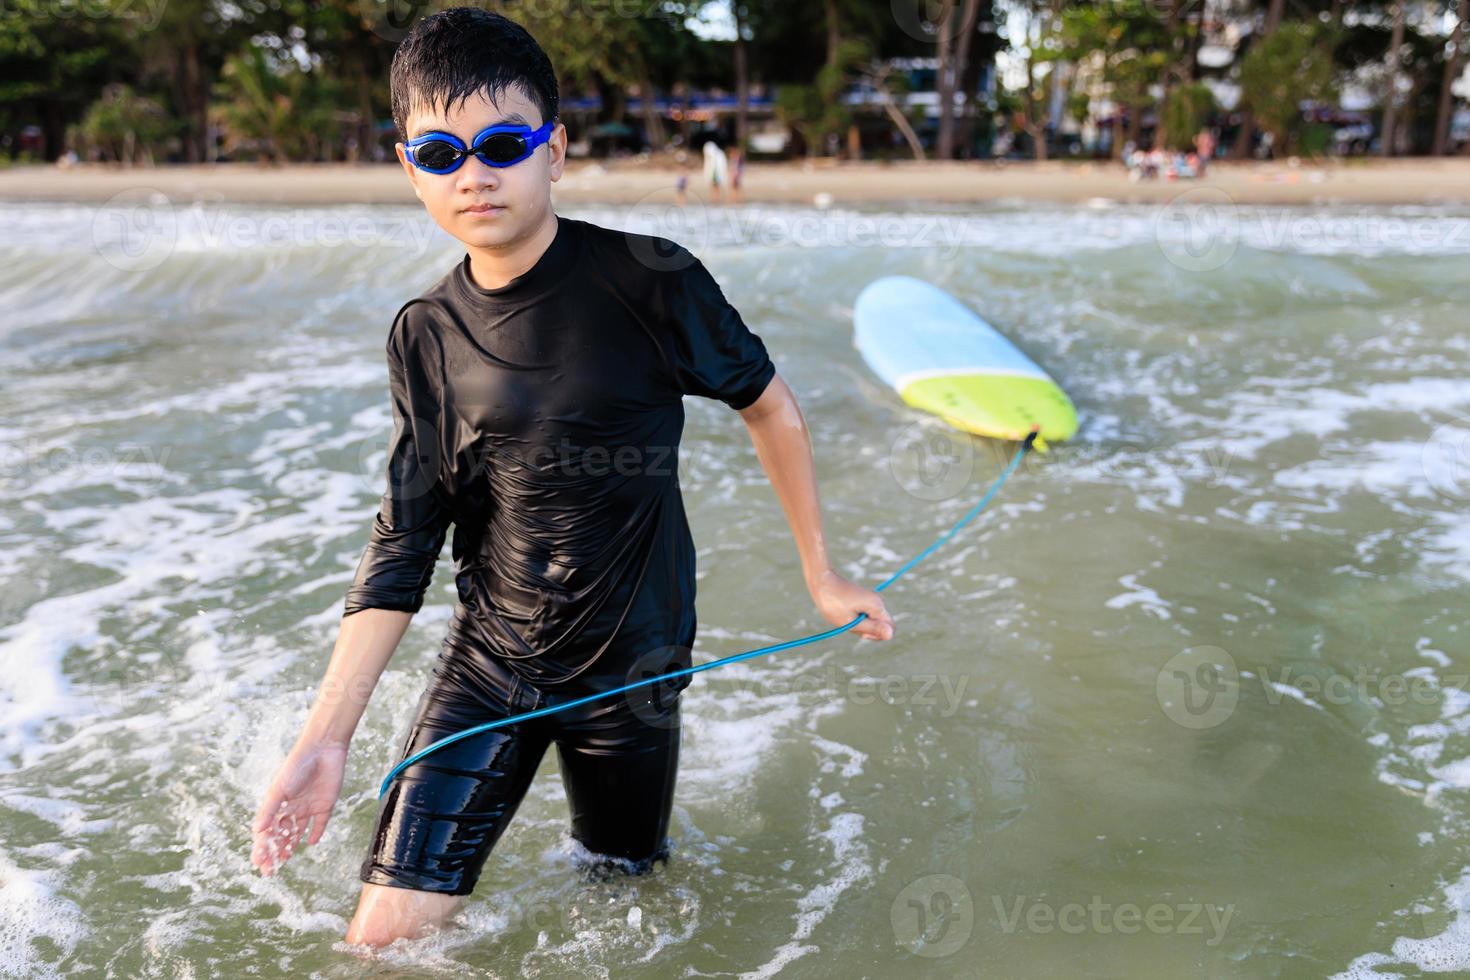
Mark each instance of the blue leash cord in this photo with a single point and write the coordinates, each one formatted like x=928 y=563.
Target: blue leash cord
x=734 y=658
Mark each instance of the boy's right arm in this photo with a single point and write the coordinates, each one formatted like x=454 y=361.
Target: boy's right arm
x=306 y=785
x=365 y=643
x=397 y=566
x=407 y=534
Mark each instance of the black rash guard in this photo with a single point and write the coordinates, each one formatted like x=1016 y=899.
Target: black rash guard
x=543 y=420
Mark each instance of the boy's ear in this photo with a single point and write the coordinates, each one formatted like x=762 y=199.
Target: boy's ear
x=410 y=169
x=557 y=147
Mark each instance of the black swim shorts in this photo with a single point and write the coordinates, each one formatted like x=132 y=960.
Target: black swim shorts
x=442 y=815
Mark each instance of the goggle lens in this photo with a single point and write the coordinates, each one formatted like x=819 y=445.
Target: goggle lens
x=501 y=147
x=436 y=154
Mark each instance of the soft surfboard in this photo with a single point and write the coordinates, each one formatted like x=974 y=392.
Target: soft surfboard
x=942 y=358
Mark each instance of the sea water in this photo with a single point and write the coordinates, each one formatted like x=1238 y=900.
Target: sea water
x=1190 y=698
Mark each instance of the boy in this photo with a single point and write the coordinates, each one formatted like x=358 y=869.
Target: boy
x=537 y=406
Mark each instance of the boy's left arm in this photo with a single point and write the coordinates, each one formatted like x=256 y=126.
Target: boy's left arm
x=783 y=444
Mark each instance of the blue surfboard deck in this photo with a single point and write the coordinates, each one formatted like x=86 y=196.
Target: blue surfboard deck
x=942 y=357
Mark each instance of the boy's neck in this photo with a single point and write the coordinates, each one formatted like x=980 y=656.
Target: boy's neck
x=493 y=268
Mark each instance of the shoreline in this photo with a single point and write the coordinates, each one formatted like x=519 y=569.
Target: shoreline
x=1416 y=181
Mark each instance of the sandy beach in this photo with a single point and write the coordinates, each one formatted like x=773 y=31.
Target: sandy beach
x=629 y=181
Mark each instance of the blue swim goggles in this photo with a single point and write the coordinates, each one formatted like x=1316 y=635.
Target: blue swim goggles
x=498 y=146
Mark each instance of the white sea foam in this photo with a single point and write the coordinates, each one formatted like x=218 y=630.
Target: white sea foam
x=1139 y=595
x=34 y=908
x=1446 y=951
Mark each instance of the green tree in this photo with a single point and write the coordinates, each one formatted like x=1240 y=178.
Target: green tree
x=1187 y=110
x=272 y=105
x=956 y=27
x=1455 y=59
x=815 y=111
x=1183 y=27
x=184 y=54
x=878 y=78
x=54 y=61
x=1290 y=67
x=124 y=126
x=1245 y=138
x=355 y=55
x=626 y=53
x=1129 y=43
x=1394 y=57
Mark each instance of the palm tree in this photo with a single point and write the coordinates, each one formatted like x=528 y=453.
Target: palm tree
x=1454 y=65
x=956 y=26
x=876 y=78
x=1391 y=90
x=1247 y=135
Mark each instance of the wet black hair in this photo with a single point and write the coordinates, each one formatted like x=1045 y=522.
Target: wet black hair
x=448 y=57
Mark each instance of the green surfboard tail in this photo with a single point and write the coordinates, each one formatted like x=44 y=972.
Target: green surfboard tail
x=998 y=406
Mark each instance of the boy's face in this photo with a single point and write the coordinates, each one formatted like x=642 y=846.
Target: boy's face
x=481 y=205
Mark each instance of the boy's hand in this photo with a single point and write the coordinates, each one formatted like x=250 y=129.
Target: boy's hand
x=839 y=601
x=304 y=788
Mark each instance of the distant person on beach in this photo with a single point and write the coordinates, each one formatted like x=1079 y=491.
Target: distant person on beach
x=1144 y=164
x=1204 y=145
x=737 y=172
x=716 y=169
x=681 y=181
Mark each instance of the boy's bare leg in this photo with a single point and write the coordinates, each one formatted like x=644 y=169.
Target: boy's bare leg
x=386 y=912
